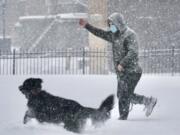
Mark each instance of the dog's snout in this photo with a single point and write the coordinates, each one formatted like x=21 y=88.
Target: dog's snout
x=21 y=87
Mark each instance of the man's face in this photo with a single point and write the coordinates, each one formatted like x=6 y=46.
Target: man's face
x=112 y=27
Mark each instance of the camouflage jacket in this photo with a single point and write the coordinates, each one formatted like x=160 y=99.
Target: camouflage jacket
x=124 y=44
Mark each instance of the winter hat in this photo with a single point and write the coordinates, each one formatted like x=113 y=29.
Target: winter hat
x=118 y=20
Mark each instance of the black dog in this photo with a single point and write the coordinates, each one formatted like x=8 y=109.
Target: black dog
x=48 y=108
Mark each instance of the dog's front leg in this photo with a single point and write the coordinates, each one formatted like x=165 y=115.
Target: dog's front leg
x=28 y=115
x=26 y=118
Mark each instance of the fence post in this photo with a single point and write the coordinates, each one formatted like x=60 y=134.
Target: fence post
x=173 y=64
x=14 y=60
x=83 y=64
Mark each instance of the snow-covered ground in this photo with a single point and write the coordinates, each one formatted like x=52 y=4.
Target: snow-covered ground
x=90 y=91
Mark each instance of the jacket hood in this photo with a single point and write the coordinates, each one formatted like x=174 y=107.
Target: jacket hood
x=118 y=20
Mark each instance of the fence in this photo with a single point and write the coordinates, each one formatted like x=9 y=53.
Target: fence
x=84 y=61
x=160 y=61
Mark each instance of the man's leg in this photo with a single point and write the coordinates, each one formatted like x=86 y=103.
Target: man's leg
x=149 y=102
x=124 y=99
x=137 y=99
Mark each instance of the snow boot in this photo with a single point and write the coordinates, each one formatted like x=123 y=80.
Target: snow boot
x=149 y=105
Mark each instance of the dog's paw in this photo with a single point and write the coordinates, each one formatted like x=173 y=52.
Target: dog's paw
x=26 y=119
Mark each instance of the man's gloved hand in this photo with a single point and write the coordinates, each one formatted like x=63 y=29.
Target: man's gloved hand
x=82 y=22
x=120 y=68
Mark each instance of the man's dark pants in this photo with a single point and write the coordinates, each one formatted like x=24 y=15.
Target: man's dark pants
x=126 y=86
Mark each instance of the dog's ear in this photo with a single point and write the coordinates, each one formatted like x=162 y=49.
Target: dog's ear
x=39 y=80
x=27 y=82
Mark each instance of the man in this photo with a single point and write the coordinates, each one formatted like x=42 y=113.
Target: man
x=125 y=58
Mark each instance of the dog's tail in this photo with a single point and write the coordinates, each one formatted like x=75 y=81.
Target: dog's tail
x=108 y=104
x=104 y=111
